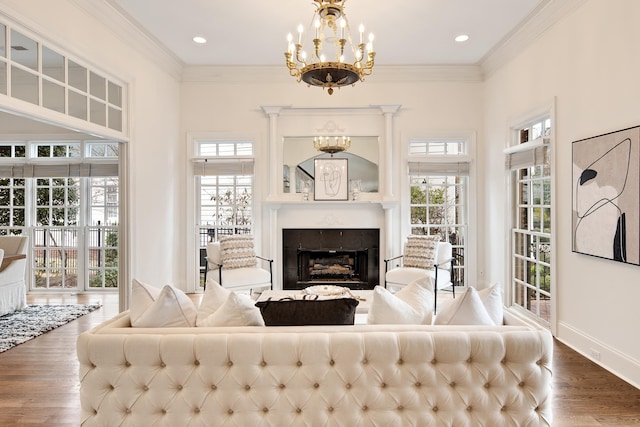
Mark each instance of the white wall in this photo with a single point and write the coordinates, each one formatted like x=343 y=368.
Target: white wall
x=589 y=63
x=155 y=169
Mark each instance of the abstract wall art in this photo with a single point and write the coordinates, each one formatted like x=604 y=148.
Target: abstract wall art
x=331 y=179
x=606 y=199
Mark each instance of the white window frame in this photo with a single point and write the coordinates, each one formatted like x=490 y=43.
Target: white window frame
x=192 y=195
x=546 y=110
x=469 y=137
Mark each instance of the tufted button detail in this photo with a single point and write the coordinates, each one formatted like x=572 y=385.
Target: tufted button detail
x=95 y=412
x=330 y=409
x=469 y=360
x=383 y=385
x=503 y=409
x=348 y=386
x=487 y=385
x=247 y=387
x=196 y=410
x=163 y=365
x=145 y=388
x=299 y=363
x=214 y=387
x=265 y=410
x=127 y=363
x=521 y=384
x=128 y=410
x=298 y=411
x=453 y=384
x=281 y=386
x=316 y=385
x=197 y=362
x=400 y=362
x=503 y=361
x=365 y=361
x=434 y=361
x=435 y=409
x=229 y=363
x=163 y=411
x=111 y=387
x=418 y=384
x=263 y=363
x=332 y=362
x=400 y=408
x=93 y=366
x=365 y=408
x=539 y=362
x=469 y=408
x=537 y=408
x=230 y=411
x=179 y=387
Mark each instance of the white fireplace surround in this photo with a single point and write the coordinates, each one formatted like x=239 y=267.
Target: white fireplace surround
x=289 y=210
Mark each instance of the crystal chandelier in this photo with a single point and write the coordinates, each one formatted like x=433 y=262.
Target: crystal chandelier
x=331 y=144
x=327 y=66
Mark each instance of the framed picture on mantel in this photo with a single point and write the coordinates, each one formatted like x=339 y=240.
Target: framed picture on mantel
x=331 y=179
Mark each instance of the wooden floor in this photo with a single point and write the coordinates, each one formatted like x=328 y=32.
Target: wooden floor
x=39 y=379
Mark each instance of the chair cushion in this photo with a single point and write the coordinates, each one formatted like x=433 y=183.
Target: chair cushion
x=237 y=251
x=245 y=277
x=300 y=312
x=403 y=275
x=420 y=251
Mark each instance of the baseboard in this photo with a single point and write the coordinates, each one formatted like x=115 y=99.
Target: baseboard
x=614 y=361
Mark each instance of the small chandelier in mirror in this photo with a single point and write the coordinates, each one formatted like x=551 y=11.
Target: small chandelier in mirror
x=327 y=65
x=331 y=144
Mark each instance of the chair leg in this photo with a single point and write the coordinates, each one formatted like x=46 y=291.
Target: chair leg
x=435 y=299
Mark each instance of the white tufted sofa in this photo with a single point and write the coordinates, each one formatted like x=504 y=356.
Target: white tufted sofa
x=362 y=375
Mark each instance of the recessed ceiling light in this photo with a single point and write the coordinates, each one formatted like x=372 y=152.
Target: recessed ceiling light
x=462 y=38
x=199 y=40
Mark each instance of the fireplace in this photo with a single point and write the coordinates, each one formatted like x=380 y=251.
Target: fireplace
x=344 y=257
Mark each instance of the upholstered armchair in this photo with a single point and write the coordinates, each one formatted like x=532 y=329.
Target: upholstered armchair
x=438 y=269
x=233 y=263
x=13 y=265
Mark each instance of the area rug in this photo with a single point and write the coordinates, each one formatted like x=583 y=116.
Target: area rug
x=34 y=320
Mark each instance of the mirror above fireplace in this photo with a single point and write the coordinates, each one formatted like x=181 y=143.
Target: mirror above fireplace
x=298 y=162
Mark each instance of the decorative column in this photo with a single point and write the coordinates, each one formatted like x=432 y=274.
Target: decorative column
x=389 y=170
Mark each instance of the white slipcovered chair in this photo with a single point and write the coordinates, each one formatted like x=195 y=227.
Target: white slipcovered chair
x=237 y=279
x=399 y=276
x=13 y=292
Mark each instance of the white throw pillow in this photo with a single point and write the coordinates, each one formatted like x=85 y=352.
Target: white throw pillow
x=467 y=309
x=492 y=299
x=410 y=305
x=158 y=308
x=212 y=299
x=237 y=310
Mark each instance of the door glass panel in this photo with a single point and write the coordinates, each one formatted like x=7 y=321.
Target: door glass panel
x=52 y=64
x=24 y=51
x=115 y=94
x=24 y=85
x=115 y=119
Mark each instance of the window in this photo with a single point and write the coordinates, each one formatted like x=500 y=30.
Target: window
x=438 y=185
x=67 y=204
x=530 y=169
x=224 y=180
x=36 y=73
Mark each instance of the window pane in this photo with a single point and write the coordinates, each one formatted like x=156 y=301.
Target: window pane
x=77 y=105
x=77 y=76
x=98 y=113
x=3 y=41
x=24 y=85
x=115 y=94
x=53 y=96
x=3 y=78
x=52 y=64
x=98 y=85
x=24 y=50
x=115 y=119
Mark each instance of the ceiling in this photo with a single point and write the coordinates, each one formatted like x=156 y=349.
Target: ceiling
x=253 y=32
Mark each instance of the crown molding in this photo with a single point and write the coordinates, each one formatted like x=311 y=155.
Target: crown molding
x=541 y=19
x=381 y=73
x=124 y=27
